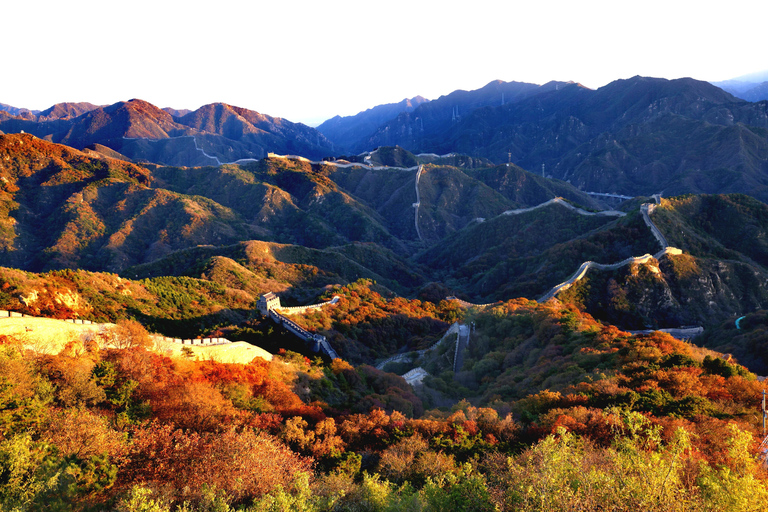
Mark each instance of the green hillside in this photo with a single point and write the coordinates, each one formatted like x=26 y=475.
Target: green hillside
x=527 y=254
x=721 y=273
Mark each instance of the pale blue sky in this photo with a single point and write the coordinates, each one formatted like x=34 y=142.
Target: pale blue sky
x=310 y=60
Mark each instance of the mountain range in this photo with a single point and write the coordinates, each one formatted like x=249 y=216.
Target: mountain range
x=484 y=233
x=138 y=190
x=752 y=87
x=512 y=317
x=347 y=132
x=211 y=135
x=631 y=137
x=638 y=136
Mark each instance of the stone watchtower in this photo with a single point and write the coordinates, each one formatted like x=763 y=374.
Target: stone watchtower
x=268 y=301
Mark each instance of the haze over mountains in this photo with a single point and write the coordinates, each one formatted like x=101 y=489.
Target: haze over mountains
x=752 y=87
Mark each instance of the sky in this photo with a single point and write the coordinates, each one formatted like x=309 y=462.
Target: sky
x=307 y=61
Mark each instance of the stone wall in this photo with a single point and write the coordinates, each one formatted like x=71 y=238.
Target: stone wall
x=295 y=310
x=318 y=342
x=197 y=341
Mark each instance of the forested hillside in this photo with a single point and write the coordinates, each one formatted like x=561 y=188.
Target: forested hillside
x=597 y=419
x=433 y=403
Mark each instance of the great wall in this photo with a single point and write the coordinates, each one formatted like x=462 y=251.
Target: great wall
x=51 y=336
x=320 y=344
x=418 y=203
x=563 y=202
x=462 y=332
x=582 y=271
x=416 y=375
x=155 y=337
x=645 y=210
x=269 y=306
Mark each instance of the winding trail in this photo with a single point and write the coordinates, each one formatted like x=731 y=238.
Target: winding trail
x=645 y=209
x=418 y=203
x=563 y=202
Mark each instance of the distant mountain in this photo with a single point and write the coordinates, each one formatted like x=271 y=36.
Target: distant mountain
x=749 y=91
x=66 y=110
x=752 y=87
x=756 y=93
x=177 y=112
x=434 y=118
x=212 y=135
x=634 y=137
x=57 y=111
x=15 y=111
x=347 y=132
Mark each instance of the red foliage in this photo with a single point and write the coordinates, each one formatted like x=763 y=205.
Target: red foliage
x=244 y=464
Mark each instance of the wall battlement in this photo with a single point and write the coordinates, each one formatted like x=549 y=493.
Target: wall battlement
x=155 y=337
x=269 y=305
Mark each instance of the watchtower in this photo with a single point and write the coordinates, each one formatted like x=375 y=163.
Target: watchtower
x=268 y=301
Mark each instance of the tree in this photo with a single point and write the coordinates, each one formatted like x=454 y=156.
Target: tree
x=126 y=334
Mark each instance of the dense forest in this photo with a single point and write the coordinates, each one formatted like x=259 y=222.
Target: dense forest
x=433 y=403
x=568 y=414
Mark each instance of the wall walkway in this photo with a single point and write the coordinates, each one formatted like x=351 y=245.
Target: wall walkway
x=155 y=337
x=318 y=342
x=645 y=210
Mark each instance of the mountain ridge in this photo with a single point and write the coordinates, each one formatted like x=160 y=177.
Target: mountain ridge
x=346 y=132
x=142 y=131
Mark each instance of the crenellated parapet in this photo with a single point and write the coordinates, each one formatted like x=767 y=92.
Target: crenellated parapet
x=269 y=305
x=101 y=326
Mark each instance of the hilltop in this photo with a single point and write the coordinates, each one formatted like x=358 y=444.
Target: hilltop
x=211 y=135
x=635 y=137
x=347 y=132
x=720 y=275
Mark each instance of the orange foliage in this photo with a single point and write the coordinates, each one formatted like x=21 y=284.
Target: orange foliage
x=586 y=421
x=366 y=430
x=681 y=382
x=81 y=433
x=243 y=464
